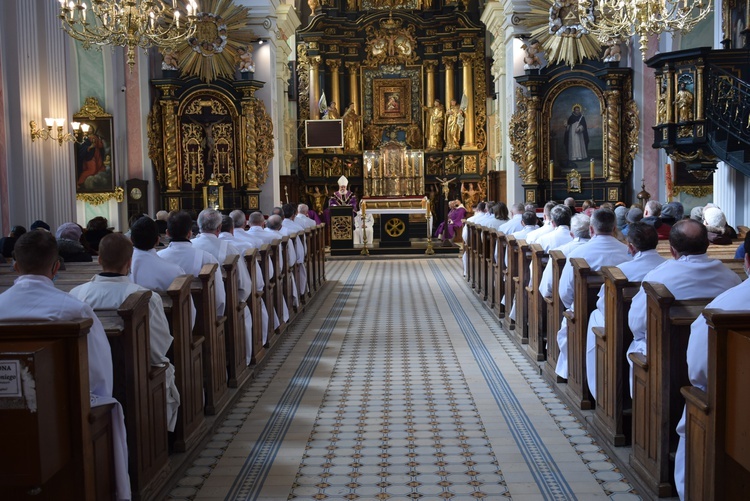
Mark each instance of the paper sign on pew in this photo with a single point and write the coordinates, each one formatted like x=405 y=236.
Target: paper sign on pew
x=10 y=381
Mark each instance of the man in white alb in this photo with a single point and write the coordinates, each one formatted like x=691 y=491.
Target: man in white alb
x=579 y=231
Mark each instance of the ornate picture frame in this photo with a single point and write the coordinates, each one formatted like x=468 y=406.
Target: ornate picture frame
x=574 y=181
x=94 y=155
x=391 y=101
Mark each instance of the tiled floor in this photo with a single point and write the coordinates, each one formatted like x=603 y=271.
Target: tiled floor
x=397 y=384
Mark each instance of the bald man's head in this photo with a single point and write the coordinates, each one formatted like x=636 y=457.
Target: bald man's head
x=688 y=237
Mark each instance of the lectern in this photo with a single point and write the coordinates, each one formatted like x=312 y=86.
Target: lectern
x=342 y=226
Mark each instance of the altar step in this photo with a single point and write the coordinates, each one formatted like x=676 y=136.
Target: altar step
x=416 y=248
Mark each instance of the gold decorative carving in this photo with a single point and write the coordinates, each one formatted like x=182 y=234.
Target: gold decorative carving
x=174 y=203
x=316 y=167
x=699 y=154
x=373 y=136
x=530 y=196
x=196 y=107
x=263 y=141
x=221 y=36
x=155 y=141
x=574 y=181
x=435 y=166
x=390 y=4
x=530 y=157
x=91 y=109
x=612 y=141
x=395 y=227
x=694 y=191
x=470 y=164
x=99 y=198
x=334 y=64
x=193 y=168
x=453 y=164
x=341 y=227
x=169 y=126
x=518 y=130
x=480 y=91
x=632 y=129
x=391 y=44
x=613 y=194
x=249 y=174
x=223 y=163
x=253 y=202
x=559 y=31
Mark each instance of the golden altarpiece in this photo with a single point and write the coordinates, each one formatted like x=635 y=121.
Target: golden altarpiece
x=211 y=145
x=575 y=132
x=390 y=70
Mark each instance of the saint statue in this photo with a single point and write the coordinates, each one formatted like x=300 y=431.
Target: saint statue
x=436 y=119
x=343 y=196
x=454 y=124
x=318 y=199
x=684 y=102
x=576 y=135
x=352 y=130
x=332 y=112
x=471 y=196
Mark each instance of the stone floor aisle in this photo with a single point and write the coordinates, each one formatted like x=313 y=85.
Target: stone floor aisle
x=397 y=384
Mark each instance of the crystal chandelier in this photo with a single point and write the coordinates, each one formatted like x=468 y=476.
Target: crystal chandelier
x=128 y=23
x=615 y=21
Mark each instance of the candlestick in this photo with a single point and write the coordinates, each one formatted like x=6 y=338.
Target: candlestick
x=591 y=169
x=551 y=170
x=669 y=181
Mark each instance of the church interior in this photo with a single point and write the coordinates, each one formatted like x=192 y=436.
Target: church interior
x=398 y=371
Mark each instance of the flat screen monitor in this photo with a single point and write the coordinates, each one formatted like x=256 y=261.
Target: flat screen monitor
x=324 y=133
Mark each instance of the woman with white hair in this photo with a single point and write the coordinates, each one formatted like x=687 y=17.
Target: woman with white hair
x=719 y=232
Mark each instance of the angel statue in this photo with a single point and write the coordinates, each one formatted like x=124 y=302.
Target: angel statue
x=454 y=123
x=169 y=60
x=531 y=60
x=245 y=59
x=612 y=53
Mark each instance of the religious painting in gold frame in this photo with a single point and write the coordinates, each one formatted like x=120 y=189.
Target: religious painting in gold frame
x=391 y=101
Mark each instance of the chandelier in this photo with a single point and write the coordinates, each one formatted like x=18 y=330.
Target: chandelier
x=615 y=21
x=128 y=23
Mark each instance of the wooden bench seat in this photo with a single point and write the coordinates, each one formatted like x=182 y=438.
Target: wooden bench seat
x=61 y=447
x=717 y=451
x=537 y=307
x=555 y=311
x=235 y=311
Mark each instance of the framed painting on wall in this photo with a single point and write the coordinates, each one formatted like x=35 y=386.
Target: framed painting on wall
x=94 y=155
x=391 y=101
x=576 y=132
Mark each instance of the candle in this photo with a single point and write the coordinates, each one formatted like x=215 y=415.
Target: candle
x=591 y=168
x=551 y=170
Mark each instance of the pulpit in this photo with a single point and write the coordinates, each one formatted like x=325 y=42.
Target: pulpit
x=342 y=227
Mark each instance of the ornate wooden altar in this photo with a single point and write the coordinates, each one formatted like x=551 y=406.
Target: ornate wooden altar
x=584 y=146
x=209 y=139
x=413 y=55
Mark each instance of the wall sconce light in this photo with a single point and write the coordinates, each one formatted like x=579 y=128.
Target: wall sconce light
x=79 y=131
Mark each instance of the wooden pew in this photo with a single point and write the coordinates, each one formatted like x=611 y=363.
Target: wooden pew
x=56 y=446
x=479 y=261
x=279 y=278
x=470 y=251
x=537 y=307
x=498 y=266
x=587 y=285
x=252 y=257
x=511 y=272
x=489 y=237
x=188 y=363
x=307 y=236
x=141 y=390
x=236 y=344
x=268 y=259
x=657 y=378
x=320 y=247
x=289 y=273
x=521 y=280
x=717 y=451
x=555 y=311
x=612 y=371
x=212 y=327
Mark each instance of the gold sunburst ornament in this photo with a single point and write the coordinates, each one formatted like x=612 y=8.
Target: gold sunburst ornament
x=558 y=28
x=221 y=38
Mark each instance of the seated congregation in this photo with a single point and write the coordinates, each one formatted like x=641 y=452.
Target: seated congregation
x=640 y=320
x=118 y=365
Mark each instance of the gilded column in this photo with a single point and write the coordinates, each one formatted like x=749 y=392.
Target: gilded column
x=448 y=62
x=468 y=80
x=250 y=178
x=430 y=67
x=699 y=113
x=613 y=163
x=169 y=128
x=334 y=65
x=532 y=165
x=670 y=96
x=314 y=87
x=353 y=68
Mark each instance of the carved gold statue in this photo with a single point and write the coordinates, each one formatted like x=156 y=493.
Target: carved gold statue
x=684 y=102
x=454 y=124
x=352 y=130
x=318 y=199
x=436 y=119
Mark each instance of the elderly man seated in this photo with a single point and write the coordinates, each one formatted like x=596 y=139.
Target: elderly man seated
x=690 y=275
x=642 y=240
